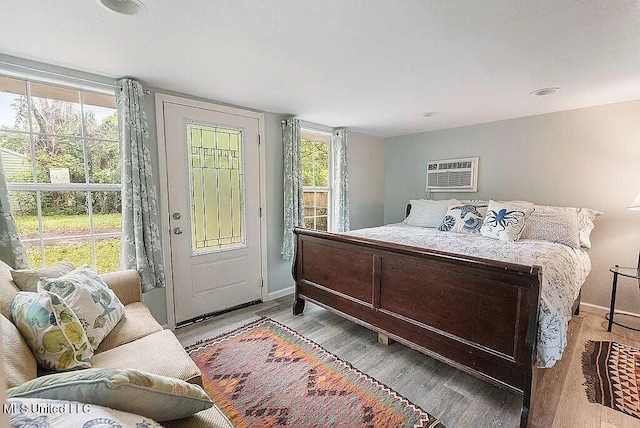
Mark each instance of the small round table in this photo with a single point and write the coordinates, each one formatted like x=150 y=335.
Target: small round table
x=628 y=272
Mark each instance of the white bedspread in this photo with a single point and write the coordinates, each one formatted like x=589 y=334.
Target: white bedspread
x=564 y=270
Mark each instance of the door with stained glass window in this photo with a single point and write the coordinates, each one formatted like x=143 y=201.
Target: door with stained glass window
x=214 y=203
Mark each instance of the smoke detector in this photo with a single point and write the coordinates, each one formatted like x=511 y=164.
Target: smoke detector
x=124 y=7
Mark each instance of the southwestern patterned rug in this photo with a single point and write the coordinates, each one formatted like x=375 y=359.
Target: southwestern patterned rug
x=266 y=375
x=612 y=374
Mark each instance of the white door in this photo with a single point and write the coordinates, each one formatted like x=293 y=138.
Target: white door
x=214 y=202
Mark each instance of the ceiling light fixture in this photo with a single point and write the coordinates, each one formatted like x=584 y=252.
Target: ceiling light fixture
x=124 y=7
x=429 y=114
x=545 y=91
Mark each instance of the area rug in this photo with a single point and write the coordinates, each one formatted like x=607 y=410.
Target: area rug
x=267 y=375
x=612 y=371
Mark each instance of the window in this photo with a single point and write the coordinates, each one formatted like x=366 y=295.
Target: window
x=61 y=155
x=316 y=178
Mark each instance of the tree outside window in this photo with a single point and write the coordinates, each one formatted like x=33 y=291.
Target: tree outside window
x=61 y=155
x=316 y=154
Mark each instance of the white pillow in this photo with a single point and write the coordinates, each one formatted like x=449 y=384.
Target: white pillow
x=504 y=221
x=428 y=213
x=553 y=224
x=585 y=225
x=95 y=304
x=464 y=218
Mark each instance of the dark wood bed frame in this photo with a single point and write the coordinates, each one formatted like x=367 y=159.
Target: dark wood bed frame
x=474 y=314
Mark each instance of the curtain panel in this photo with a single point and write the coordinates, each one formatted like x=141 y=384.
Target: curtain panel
x=340 y=182
x=141 y=248
x=293 y=196
x=11 y=250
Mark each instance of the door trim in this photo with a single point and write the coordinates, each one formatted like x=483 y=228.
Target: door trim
x=160 y=100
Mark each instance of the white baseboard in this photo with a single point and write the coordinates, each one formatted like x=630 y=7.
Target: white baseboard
x=280 y=293
x=601 y=310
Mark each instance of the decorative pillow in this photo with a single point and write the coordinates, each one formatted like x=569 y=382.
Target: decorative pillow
x=428 y=213
x=465 y=218
x=52 y=331
x=27 y=279
x=504 y=221
x=41 y=413
x=95 y=304
x=585 y=225
x=157 y=397
x=19 y=364
x=553 y=224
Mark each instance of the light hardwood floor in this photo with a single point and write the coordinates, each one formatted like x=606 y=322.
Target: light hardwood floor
x=457 y=399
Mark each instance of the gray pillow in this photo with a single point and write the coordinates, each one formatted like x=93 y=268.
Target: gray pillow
x=27 y=279
x=157 y=397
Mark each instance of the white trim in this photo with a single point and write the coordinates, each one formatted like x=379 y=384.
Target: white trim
x=316 y=127
x=597 y=309
x=280 y=293
x=54 y=75
x=160 y=100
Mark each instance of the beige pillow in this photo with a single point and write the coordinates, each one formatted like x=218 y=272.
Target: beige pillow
x=27 y=279
x=8 y=290
x=19 y=364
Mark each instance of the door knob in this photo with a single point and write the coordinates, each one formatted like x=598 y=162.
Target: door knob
x=177 y=231
x=176 y=216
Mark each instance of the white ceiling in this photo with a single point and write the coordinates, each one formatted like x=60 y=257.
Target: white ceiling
x=373 y=66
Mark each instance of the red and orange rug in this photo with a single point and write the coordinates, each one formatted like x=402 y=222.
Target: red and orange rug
x=266 y=375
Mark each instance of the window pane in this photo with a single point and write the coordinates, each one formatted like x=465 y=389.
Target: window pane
x=13 y=111
x=25 y=213
x=315 y=163
x=107 y=254
x=55 y=110
x=216 y=188
x=64 y=214
x=101 y=122
x=15 y=150
x=316 y=207
x=76 y=251
x=108 y=207
x=59 y=159
x=104 y=162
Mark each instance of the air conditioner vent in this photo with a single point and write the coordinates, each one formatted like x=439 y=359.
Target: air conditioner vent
x=453 y=175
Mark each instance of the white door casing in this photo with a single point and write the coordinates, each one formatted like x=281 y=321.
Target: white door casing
x=213 y=168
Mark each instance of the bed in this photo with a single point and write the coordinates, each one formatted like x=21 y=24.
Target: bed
x=492 y=309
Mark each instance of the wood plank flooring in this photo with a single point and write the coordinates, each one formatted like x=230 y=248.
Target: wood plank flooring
x=459 y=400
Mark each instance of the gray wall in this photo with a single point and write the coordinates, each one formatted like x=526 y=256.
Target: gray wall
x=584 y=158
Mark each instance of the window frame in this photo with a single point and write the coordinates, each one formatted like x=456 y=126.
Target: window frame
x=80 y=86
x=309 y=129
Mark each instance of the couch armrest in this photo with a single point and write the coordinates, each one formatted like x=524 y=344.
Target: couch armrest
x=125 y=284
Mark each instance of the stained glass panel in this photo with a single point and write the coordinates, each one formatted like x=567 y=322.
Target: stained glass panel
x=216 y=188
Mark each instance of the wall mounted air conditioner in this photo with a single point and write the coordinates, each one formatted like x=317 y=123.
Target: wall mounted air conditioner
x=452 y=175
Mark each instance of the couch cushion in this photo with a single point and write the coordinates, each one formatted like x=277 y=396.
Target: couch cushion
x=8 y=290
x=19 y=363
x=162 y=353
x=137 y=322
x=210 y=418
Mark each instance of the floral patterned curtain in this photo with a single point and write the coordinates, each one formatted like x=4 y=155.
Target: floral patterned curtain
x=11 y=250
x=340 y=184
x=293 y=197
x=141 y=248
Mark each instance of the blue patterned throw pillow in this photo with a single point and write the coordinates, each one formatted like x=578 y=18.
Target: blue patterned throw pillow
x=465 y=218
x=505 y=221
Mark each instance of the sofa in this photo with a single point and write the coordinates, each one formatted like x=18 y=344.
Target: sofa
x=137 y=342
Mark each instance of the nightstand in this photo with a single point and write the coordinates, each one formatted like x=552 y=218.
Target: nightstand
x=634 y=273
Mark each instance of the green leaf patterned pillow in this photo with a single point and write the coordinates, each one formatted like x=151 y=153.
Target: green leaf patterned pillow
x=52 y=331
x=158 y=397
x=95 y=304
